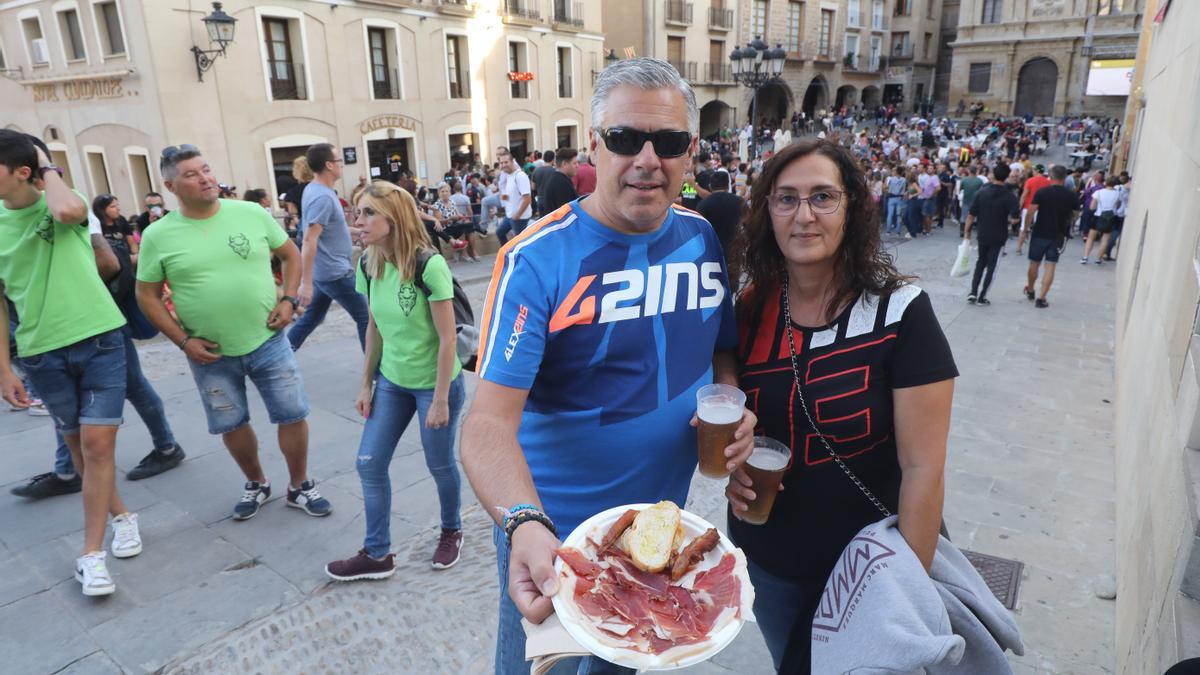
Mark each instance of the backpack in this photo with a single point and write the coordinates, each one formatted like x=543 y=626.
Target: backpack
x=122 y=289
x=467 y=345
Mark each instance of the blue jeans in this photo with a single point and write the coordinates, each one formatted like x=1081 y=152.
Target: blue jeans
x=490 y=204
x=81 y=383
x=392 y=409
x=895 y=209
x=510 y=635
x=145 y=400
x=912 y=212
x=516 y=226
x=782 y=607
x=273 y=370
x=324 y=293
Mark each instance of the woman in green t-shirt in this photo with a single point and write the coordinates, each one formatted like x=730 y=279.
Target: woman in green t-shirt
x=410 y=366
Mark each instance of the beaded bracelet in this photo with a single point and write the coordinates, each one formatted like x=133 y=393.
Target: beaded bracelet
x=517 y=509
x=526 y=516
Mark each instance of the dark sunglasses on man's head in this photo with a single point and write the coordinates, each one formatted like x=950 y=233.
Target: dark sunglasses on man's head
x=169 y=153
x=626 y=141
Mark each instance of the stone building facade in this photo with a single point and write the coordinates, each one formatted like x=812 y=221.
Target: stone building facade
x=948 y=31
x=837 y=54
x=1157 y=421
x=696 y=37
x=398 y=85
x=912 y=51
x=1035 y=56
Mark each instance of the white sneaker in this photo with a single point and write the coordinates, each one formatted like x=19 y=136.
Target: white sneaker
x=38 y=409
x=92 y=573
x=127 y=541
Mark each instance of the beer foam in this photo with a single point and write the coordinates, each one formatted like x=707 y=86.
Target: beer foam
x=718 y=411
x=768 y=459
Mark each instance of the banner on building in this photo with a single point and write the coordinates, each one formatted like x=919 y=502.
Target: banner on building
x=1110 y=78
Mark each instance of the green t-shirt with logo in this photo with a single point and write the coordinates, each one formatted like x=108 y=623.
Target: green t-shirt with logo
x=219 y=271
x=49 y=272
x=402 y=315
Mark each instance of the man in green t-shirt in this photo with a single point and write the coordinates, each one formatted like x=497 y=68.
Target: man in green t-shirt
x=970 y=183
x=69 y=341
x=216 y=255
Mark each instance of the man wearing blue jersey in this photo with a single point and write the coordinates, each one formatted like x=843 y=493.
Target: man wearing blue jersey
x=601 y=322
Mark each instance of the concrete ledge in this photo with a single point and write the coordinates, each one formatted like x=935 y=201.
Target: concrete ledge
x=1189 y=584
x=1186 y=603
x=1187 y=627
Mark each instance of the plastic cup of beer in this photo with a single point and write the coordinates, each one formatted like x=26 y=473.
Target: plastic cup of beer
x=765 y=468
x=719 y=409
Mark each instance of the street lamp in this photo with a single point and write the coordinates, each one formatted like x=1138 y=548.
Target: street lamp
x=755 y=66
x=610 y=59
x=220 y=29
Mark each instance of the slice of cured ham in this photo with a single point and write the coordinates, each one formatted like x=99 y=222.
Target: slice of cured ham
x=613 y=594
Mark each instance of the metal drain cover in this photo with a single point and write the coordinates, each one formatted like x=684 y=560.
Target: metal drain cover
x=1002 y=575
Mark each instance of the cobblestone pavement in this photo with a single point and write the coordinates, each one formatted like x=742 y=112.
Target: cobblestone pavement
x=1029 y=476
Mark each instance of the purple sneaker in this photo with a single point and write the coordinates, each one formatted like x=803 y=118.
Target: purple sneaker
x=362 y=566
x=449 y=549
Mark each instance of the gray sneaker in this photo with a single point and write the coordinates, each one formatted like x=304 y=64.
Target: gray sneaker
x=252 y=499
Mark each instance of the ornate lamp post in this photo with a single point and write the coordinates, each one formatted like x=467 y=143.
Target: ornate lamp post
x=755 y=66
x=610 y=59
x=220 y=28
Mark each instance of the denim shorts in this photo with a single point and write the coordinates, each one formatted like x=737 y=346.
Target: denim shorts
x=82 y=383
x=273 y=370
x=1043 y=249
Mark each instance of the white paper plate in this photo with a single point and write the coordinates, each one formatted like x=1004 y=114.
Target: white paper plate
x=585 y=635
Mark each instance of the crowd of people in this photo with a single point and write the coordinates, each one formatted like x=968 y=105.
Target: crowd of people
x=776 y=265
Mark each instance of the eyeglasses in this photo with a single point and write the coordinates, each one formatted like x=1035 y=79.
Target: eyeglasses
x=784 y=204
x=169 y=153
x=628 y=142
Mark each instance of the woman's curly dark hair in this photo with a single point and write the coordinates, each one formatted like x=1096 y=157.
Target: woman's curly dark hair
x=861 y=263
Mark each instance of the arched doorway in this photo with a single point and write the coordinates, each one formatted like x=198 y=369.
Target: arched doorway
x=816 y=96
x=1036 y=85
x=847 y=95
x=872 y=96
x=714 y=116
x=772 y=104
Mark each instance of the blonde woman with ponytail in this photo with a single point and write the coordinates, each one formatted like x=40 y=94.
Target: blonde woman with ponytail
x=410 y=367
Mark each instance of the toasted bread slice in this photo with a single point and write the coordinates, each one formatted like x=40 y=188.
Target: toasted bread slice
x=654 y=535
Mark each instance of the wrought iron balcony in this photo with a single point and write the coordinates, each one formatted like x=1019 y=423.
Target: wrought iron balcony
x=679 y=13
x=720 y=18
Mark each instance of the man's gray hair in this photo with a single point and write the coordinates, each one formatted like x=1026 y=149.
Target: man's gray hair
x=169 y=168
x=643 y=73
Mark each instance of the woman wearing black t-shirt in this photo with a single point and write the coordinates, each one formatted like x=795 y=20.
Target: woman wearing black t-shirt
x=115 y=228
x=877 y=377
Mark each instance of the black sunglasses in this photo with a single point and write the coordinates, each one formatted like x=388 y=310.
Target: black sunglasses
x=625 y=141
x=169 y=153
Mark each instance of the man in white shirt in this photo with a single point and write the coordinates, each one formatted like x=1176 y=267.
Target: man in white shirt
x=516 y=196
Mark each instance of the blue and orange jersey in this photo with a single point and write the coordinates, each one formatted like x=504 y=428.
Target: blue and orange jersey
x=612 y=334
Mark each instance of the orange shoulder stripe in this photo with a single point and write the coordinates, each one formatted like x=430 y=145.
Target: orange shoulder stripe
x=498 y=272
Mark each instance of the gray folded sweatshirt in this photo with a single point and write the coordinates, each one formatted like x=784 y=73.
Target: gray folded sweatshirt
x=881 y=613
